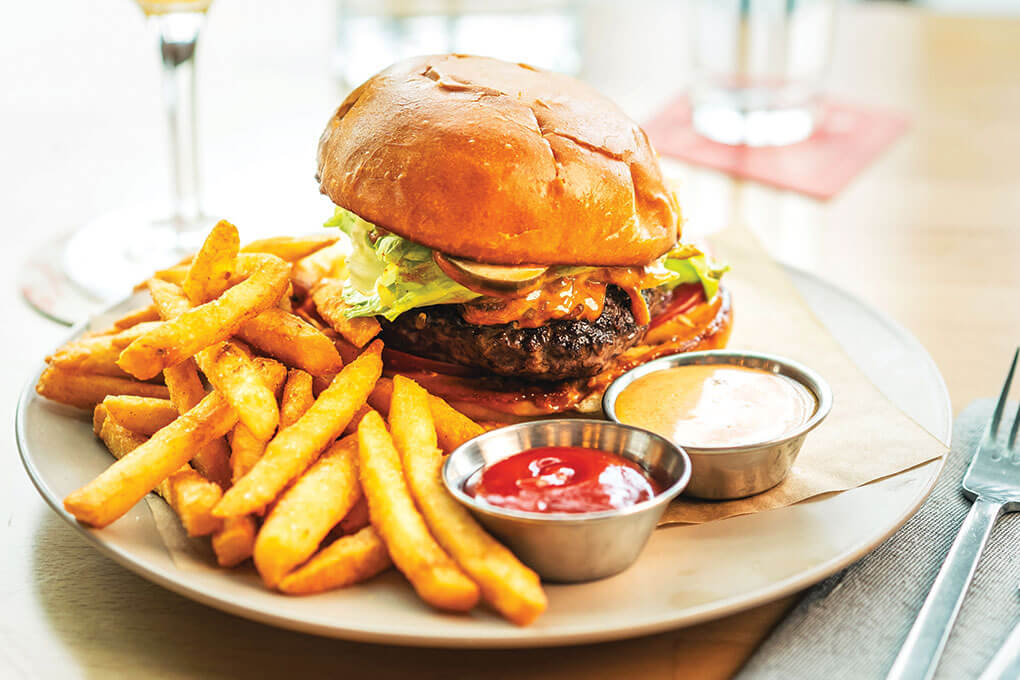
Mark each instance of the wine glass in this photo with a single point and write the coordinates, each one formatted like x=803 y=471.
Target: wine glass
x=78 y=273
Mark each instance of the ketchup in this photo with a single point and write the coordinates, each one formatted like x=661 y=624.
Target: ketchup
x=563 y=479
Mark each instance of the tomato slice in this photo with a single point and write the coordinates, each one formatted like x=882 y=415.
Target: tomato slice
x=685 y=296
x=402 y=362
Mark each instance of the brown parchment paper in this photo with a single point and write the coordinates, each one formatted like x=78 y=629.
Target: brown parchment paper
x=864 y=438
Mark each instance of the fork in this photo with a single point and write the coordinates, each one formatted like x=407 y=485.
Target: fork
x=992 y=484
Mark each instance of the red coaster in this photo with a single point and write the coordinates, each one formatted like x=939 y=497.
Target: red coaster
x=846 y=140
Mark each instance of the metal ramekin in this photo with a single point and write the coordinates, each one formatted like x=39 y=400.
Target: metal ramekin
x=721 y=473
x=571 y=547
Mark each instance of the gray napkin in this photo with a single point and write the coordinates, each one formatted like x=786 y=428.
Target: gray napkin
x=853 y=624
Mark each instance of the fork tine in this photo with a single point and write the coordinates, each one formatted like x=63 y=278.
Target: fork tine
x=1013 y=430
x=997 y=416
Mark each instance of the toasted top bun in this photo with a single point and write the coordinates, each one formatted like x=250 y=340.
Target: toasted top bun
x=499 y=163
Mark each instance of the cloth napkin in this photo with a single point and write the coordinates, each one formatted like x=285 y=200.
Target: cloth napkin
x=853 y=624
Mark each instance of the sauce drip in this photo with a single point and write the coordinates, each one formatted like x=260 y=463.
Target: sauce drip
x=579 y=297
x=563 y=479
x=705 y=406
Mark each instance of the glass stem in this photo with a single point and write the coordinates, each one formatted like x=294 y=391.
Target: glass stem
x=178 y=37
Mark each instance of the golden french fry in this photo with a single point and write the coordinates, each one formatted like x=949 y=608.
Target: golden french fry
x=169 y=299
x=507 y=585
x=245 y=447
x=357 y=519
x=213 y=266
x=290 y=248
x=297 y=343
x=330 y=261
x=136 y=317
x=98 y=418
x=297 y=397
x=186 y=390
x=199 y=327
x=352 y=426
x=329 y=302
x=295 y=447
x=344 y=562
x=234 y=542
x=453 y=428
x=175 y=274
x=144 y=415
x=234 y=375
x=245 y=451
x=190 y=495
x=97 y=354
x=306 y=512
x=84 y=391
x=124 y=483
x=437 y=578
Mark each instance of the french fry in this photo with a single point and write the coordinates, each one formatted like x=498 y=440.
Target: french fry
x=436 y=577
x=213 y=266
x=290 y=248
x=186 y=390
x=98 y=354
x=84 y=391
x=329 y=302
x=98 y=418
x=344 y=562
x=234 y=375
x=245 y=447
x=136 y=317
x=144 y=415
x=245 y=451
x=357 y=519
x=189 y=494
x=297 y=343
x=306 y=512
x=507 y=585
x=169 y=299
x=124 y=483
x=297 y=397
x=352 y=426
x=199 y=327
x=453 y=428
x=234 y=542
x=294 y=448
x=175 y=274
x=308 y=271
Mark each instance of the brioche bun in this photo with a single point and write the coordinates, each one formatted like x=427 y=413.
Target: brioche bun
x=499 y=163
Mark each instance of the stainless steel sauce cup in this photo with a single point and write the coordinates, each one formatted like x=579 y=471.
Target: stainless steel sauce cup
x=727 y=472
x=571 y=547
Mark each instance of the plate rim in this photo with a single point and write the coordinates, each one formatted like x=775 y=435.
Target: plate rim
x=691 y=616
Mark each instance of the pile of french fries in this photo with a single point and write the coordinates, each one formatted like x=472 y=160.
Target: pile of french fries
x=245 y=398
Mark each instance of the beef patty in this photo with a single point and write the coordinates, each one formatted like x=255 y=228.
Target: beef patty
x=559 y=350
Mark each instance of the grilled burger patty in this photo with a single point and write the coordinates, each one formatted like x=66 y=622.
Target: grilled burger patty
x=559 y=350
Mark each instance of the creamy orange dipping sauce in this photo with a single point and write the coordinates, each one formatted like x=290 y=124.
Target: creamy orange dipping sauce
x=704 y=406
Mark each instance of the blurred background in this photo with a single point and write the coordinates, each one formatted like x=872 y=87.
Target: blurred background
x=271 y=71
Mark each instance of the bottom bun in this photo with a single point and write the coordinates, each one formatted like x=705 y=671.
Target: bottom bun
x=497 y=400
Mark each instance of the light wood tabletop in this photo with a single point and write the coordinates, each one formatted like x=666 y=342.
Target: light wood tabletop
x=929 y=235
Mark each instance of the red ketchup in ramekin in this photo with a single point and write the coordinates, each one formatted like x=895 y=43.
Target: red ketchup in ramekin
x=569 y=479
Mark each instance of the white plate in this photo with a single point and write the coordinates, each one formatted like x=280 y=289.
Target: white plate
x=686 y=574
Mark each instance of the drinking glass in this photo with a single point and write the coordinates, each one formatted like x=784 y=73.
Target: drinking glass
x=758 y=67
x=372 y=34
x=101 y=261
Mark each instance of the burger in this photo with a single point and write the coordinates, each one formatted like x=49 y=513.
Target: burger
x=511 y=230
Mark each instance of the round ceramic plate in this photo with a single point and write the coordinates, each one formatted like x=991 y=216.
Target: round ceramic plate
x=685 y=575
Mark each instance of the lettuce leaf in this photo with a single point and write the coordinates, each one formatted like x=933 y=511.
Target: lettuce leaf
x=390 y=275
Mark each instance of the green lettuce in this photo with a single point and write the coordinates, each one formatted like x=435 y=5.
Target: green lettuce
x=389 y=275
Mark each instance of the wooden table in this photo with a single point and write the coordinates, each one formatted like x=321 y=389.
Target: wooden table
x=928 y=235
